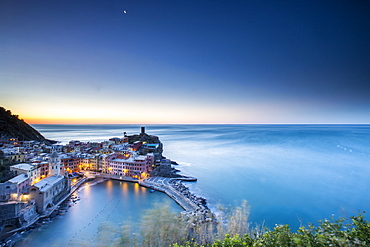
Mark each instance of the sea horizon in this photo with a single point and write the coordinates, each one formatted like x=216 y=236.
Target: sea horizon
x=325 y=156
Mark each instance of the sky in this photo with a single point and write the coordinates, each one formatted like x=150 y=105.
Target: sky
x=185 y=61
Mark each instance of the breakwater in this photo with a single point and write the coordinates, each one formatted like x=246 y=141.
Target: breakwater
x=196 y=209
x=181 y=194
x=170 y=186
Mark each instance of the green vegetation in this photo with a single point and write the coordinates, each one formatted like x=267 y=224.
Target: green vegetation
x=161 y=227
x=354 y=231
x=5 y=173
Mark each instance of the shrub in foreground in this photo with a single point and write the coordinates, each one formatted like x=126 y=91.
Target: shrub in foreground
x=351 y=232
x=160 y=227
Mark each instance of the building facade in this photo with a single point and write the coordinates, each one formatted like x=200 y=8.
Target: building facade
x=138 y=166
x=51 y=189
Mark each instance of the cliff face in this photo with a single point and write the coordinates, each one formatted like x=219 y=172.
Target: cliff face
x=144 y=137
x=13 y=127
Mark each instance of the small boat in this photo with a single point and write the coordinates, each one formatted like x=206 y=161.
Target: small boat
x=151 y=191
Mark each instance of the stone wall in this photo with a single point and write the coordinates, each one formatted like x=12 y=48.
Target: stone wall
x=6 y=189
x=10 y=210
x=28 y=214
x=9 y=214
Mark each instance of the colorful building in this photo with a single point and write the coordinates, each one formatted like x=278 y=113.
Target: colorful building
x=131 y=164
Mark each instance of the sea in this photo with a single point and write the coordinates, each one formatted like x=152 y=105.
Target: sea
x=288 y=174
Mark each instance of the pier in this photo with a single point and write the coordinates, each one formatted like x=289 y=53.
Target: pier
x=165 y=185
x=169 y=186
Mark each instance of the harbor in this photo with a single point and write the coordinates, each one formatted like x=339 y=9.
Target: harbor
x=136 y=159
x=45 y=175
x=170 y=186
x=97 y=209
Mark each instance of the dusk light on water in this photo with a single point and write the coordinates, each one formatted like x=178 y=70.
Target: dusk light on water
x=115 y=116
x=289 y=174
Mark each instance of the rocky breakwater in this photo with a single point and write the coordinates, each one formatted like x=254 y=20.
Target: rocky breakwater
x=185 y=192
x=202 y=213
x=196 y=210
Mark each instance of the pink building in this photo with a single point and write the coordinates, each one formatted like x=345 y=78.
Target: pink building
x=133 y=165
x=23 y=182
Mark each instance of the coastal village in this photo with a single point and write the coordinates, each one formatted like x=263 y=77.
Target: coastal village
x=45 y=175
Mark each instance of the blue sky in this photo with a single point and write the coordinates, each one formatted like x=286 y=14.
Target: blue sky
x=186 y=61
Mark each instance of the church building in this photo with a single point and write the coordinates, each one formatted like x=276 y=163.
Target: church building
x=50 y=190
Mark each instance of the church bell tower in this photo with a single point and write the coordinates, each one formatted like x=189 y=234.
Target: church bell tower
x=54 y=164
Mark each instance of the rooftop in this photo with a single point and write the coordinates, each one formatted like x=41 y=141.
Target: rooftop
x=140 y=157
x=19 y=179
x=48 y=182
x=130 y=159
x=23 y=166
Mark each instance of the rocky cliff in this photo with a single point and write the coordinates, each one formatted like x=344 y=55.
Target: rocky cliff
x=13 y=127
x=144 y=137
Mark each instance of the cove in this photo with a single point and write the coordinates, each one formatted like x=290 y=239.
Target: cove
x=105 y=206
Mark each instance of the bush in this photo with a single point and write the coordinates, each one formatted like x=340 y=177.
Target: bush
x=161 y=227
x=356 y=232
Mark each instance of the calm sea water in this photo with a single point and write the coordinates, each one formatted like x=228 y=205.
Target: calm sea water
x=288 y=173
x=103 y=208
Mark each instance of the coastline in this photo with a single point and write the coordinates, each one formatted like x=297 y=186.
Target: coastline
x=59 y=209
x=164 y=179
x=51 y=210
x=190 y=208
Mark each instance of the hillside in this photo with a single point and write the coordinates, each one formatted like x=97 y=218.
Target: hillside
x=13 y=127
